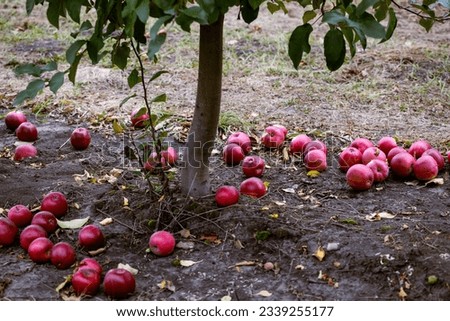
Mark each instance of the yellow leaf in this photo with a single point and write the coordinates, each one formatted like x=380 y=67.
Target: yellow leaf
x=106 y=221
x=117 y=127
x=126 y=202
x=313 y=173
x=274 y=216
x=264 y=293
x=267 y=184
x=166 y=285
x=188 y=263
x=320 y=254
x=402 y=294
x=64 y=283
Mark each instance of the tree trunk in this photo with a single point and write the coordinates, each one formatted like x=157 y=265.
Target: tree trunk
x=195 y=180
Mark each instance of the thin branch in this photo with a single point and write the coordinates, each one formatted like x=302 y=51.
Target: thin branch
x=438 y=19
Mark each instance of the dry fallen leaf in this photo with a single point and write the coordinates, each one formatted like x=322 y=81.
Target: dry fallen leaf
x=280 y=203
x=188 y=263
x=289 y=190
x=166 y=285
x=128 y=268
x=402 y=294
x=300 y=267
x=106 y=221
x=126 y=202
x=64 y=283
x=244 y=263
x=437 y=181
x=238 y=245
x=313 y=173
x=72 y=224
x=264 y=293
x=185 y=233
x=379 y=216
x=226 y=298
x=320 y=254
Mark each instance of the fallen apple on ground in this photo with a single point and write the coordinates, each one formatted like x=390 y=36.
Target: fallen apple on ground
x=91 y=237
x=232 y=154
x=90 y=263
x=8 y=231
x=47 y=220
x=226 y=195
x=373 y=153
x=380 y=170
x=386 y=144
x=402 y=164
x=24 y=151
x=241 y=139
x=253 y=166
x=86 y=281
x=425 y=168
x=119 y=283
x=161 y=243
x=63 y=255
x=298 y=143
x=316 y=160
x=56 y=203
x=40 y=250
x=349 y=157
x=360 y=177
x=27 y=132
x=273 y=137
x=253 y=187
x=418 y=148
x=437 y=157
x=282 y=128
x=14 y=119
x=315 y=145
x=394 y=151
x=29 y=234
x=361 y=143
x=20 y=215
x=80 y=138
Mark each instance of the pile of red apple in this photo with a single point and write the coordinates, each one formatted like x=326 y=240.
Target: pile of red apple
x=27 y=133
x=366 y=163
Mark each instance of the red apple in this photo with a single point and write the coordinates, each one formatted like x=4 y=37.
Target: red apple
x=402 y=164
x=437 y=157
x=161 y=243
x=63 y=255
x=80 y=138
x=27 y=132
x=20 y=215
x=56 y=203
x=226 y=195
x=24 y=151
x=139 y=121
x=90 y=263
x=119 y=283
x=86 y=281
x=91 y=237
x=297 y=145
x=380 y=170
x=361 y=143
x=373 y=153
x=283 y=129
x=425 y=168
x=40 y=250
x=29 y=234
x=316 y=159
x=242 y=139
x=448 y=156
x=349 y=157
x=253 y=166
x=14 y=119
x=232 y=154
x=394 y=151
x=315 y=145
x=386 y=144
x=47 y=220
x=170 y=156
x=418 y=148
x=253 y=187
x=359 y=177
x=273 y=137
x=8 y=231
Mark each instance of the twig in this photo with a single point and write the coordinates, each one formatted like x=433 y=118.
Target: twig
x=121 y=223
x=439 y=19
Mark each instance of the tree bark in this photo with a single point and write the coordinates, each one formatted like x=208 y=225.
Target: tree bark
x=195 y=178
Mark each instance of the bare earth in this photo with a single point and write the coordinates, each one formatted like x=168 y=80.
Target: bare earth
x=400 y=88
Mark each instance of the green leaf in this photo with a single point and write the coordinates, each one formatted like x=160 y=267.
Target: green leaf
x=197 y=14
x=29 y=6
x=350 y=37
x=30 y=92
x=73 y=68
x=117 y=127
x=371 y=27
x=93 y=46
x=155 y=44
x=134 y=78
x=299 y=43
x=334 y=46
x=52 y=65
x=308 y=16
x=56 y=81
x=426 y=23
x=143 y=11
x=74 y=9
x=364 y=5
x=72 y=52
x=160 y=99
x=120 y=55
x=158 y=74
x=126 y=99
x=255 y=3
x=273 y=7
x=336 y=18
x=53 y=12
x=392 y=24
x=29 y=69
x=164 y=4
x=249 y=14
x=73 y=224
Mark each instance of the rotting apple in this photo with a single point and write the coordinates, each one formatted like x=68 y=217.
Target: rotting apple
x=86 y=281
x=30 y=233
x=361 y=143
x=56 y=203
x=273 y=137
x=27 y=132
x=425 y=168
x=349 y=157
x=418 y=148
x=386 y=144
x=297 y=144
x=372 y=153
x=161 y=243
x=63 y=255
x=359 y=177
x=14 y=119
x=232 y=154
x=380 y=170
x=40 y=250
x=226 y=195
x=139 y=121
x=394 y=151
x=402 y=164
x=170 y=156
x=440 y=160
x=242 y=139
x=8 y=231
x=47 y=220
x=20 y=215
x=253 y=187
x=80 y=138
x=253 y=166
x=316 y=159
x=90 y=263
x=24 y=151
x=91 y=237
x=119 y=283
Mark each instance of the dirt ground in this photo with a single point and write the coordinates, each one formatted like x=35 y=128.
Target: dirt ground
x=401 y=89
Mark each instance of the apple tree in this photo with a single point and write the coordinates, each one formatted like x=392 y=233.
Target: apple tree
x=122 y=29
